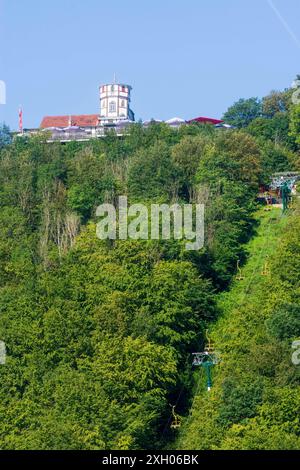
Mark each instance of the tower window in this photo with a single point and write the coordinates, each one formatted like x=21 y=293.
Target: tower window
x=112 y=107
x=122 y=104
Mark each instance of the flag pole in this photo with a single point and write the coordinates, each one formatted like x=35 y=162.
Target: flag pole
x=21 y=119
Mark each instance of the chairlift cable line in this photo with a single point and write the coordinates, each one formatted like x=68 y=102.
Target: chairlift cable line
x=246 y=291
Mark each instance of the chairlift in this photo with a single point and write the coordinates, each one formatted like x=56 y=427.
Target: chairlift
x=266 y=269
x=176 y=421
x=239 y=276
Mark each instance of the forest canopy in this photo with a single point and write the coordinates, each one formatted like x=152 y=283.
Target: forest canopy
x=99 y=334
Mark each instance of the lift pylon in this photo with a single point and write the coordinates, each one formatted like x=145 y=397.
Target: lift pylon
x=206 y=359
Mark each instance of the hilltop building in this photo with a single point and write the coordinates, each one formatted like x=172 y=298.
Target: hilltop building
x=115 y=103
x=114 y=108
x=114 y=113
x=83 y=120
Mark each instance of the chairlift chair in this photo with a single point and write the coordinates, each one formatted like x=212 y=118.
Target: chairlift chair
x=176 y=421
x=239 y=276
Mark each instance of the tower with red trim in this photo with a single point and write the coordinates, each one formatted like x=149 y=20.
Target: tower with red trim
x=115 y=103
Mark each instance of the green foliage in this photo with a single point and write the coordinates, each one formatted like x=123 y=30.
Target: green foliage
x=186 y=156
x=285 y=322
x=276 y=129
x=241 y=113
x=295 y=123
x=276 y=102
x=5 y=136
x=239 y=401
x=81 y=199
x=151 y=174
x=276 y=158
x=99 y=334
x=254 y=403
x=275 y=427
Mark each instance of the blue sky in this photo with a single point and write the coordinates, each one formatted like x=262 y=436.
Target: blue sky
x=183 y=58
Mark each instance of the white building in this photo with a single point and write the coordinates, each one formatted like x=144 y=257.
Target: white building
x=115 y=103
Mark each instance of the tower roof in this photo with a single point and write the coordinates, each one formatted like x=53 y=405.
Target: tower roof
x=116 y=84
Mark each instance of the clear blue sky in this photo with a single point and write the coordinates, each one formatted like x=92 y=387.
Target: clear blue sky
x=183 y=57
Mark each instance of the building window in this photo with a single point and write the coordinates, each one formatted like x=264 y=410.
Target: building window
x=112 y=107
x=112 y=88
x=123 y=88
x=122 y=104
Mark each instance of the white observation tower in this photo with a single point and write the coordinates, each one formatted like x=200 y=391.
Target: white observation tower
x=115 y=103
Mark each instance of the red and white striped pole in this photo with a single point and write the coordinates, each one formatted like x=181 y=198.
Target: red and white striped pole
x=21 y=120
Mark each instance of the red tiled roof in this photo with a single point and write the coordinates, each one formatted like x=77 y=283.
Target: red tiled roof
x=83 y=120
x=206 y=120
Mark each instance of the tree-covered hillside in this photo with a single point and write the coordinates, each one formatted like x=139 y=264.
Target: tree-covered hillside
x=255 y=400
x=99 y=333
